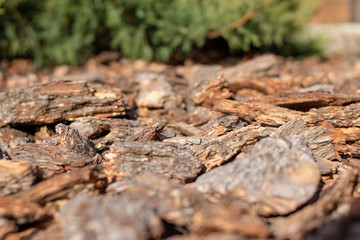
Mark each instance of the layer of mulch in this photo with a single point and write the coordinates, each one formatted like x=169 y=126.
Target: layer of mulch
x=262 y=147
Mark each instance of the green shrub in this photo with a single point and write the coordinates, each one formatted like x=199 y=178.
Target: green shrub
x=70 y=31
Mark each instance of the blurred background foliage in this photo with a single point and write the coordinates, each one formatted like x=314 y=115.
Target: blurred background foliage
x=70 y=31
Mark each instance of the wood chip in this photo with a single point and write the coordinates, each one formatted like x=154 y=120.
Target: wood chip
x=264 y=113
x=15 y=176
x=50 y=159
x=222 y=149
x=57 y=101
x=174 y=202
x=314 y=215
x=229 y=216
x=65 y=185
x=305 y=101
x=20 y=210
x=173 y=160
x=117 y=217
x=278 y=175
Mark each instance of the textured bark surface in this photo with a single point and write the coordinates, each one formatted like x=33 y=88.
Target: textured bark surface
x=229 y=216
x=118 y=217
x=173 y=160
x=313 y=215
x=264 y=113
x=261 y=147
x=173 y=202
x=57 y=101
x=15 y=176
x=64 y=186
x=278 y=176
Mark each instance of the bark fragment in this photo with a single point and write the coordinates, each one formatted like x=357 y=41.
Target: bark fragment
x=15 y=176
x=174 y=202
x=64 y=186
x=278 y=176
x=314 y=215
x=117 y=217
x=229 y=216
x=264 y=113
x=56 y=101
x=173 y=160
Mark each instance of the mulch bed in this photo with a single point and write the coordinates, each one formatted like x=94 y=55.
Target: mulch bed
x=259 y=148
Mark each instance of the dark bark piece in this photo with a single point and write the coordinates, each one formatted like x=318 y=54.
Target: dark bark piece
x=173 y=160
x=174 y=202
x=206 y=91
x=57 y=101
x=65 y=185
x=305 y=101
x=222 y=149
x=117 y=217
x=340 y=116
x=50 y=159
x=264 y=113
x=229 y=216
x=15 y=177
x=278 y=176
x=314 y=215
x=71 y=139
x=20 y=210
x=149 y=133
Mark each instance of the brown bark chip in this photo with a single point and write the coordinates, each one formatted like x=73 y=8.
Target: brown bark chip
x=229 y=216
x=278 y=176
x=174 y=202
x=173 y=160
x=56 y=101
x=15 y=176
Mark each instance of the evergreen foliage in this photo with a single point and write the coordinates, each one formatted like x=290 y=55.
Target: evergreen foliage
x=70 y=31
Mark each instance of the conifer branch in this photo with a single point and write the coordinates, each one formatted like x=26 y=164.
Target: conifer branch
x=237 y=23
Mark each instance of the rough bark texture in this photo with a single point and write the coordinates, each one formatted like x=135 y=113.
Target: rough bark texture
x=15 y=176
x=56 y=101
x=173 y=160
x=279 y=175
x=261 y=148
x=313 y=215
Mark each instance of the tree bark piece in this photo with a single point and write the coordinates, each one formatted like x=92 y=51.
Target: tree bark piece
x=149 y=133
x=264 y=113
x=65 y=185
x=71 y=139
x=117 y=217
x=206 y=91
x=174 y=202
x=222 y=149
x=173 y=160
x=278 y=176
x=313 y=216
x=229 y=216
x=340 y=116
x=57 y=101
x=320 y=145
x=50 y=159
x=305 y=101
x=20 y=210
x=15 y=177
